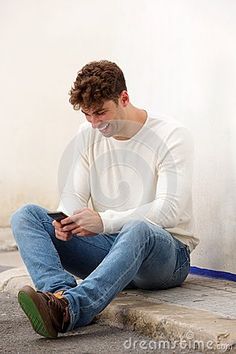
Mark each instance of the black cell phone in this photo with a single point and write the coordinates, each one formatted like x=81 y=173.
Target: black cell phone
x=57 y=215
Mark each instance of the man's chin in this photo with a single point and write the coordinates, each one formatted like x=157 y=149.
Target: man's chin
x=107 y=135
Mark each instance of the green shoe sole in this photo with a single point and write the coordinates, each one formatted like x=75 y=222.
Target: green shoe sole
x=32 y=312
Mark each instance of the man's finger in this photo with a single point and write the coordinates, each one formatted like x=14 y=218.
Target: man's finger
x=84 y=232
x=67 y=220
x=64 y=236
x=77 y=230
x=56 y=224
x=70 y=227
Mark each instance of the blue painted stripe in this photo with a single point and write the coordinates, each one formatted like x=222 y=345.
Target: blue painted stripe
x=213 y=273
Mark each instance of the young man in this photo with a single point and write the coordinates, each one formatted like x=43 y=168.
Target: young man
x=136 y=171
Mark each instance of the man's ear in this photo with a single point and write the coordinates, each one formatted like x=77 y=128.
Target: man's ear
x=124 y=98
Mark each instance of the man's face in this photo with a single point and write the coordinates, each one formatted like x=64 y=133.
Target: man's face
x=109 y=118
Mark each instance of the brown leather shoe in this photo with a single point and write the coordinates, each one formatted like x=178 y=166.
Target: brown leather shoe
x=47 y=312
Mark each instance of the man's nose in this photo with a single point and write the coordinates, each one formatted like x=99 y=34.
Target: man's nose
x=95 y=122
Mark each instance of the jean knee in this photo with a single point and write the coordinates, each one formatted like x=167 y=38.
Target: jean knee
x=136 y=228
x=138 y=224
x=23 y=212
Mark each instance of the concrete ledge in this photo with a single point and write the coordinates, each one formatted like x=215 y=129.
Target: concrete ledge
x=13 y=279
x=7 y=241
x=178 y=327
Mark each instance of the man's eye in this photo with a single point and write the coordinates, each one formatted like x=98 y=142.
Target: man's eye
x=100 y=113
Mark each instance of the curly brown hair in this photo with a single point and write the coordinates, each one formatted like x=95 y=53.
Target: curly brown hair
x=95 y=83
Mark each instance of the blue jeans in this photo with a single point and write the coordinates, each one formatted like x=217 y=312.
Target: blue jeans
x=141 y=255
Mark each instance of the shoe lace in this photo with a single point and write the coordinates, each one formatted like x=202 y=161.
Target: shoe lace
x=60 y=306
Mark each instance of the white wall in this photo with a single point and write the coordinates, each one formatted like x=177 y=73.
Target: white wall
x=179 y=59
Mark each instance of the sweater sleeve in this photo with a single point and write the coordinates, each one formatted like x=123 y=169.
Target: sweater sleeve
x=74 y=185
x=173 y=190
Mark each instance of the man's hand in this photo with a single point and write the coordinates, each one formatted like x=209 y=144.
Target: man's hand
x=60 y=234
x=85 y=222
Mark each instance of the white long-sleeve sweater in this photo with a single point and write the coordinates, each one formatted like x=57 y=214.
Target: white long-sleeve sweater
x=147 y=177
